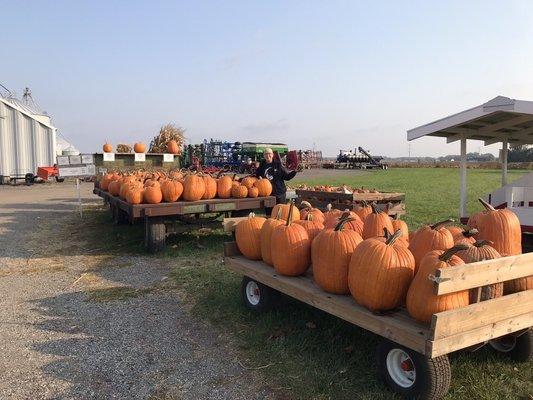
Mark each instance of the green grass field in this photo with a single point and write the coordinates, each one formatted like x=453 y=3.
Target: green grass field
x=304 y=353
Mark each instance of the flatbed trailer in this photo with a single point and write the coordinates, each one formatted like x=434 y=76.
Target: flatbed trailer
x=412 y=357
x=159 y=219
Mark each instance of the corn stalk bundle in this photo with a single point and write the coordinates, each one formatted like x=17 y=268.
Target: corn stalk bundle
x=123 y=148
x=167 y=133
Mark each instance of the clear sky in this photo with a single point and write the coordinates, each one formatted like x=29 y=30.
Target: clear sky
x=330 y=74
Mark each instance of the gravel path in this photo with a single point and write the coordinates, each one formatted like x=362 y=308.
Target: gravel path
x=59 y=343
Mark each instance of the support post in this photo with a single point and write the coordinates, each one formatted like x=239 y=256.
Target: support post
x=462 y=206
x=79 y=196
x=504 y=161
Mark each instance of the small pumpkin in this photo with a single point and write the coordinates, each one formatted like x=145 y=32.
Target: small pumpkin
x=375 y=222
x=139 y=147
x=266 y=237
x=210 y=187
x=290 y=247
x=224 y=185
x=264 y=186
x=286 y=209
x=330 y=254
x=318 y=216
x=248 y=181
x=466 y=236
x=422 y=302
x=171 y=190
x=193 y=188
x=107 y=148
x=239 y=191
x=478 y=251
x=152 y=194
x=362 y=209
x=380 y=272
x=253 y=192
x=248 y=236
x=428 y=238
x=134 y=194
x=172 y=147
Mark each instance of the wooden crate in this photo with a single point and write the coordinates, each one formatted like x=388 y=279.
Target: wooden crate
x=449 y=331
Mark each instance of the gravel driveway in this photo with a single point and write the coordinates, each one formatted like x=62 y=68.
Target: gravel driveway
x=58 y=343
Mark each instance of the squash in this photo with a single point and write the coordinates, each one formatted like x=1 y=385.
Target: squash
x=478 y=251
x=193 y=188
x=422 y=302
x=375 y=222
x=308 y=209
x=428 y=238
x=330 y=254
x=380 y=272
x=290 y=247
x=312 y=226
x=248 y=236
x=139 y=147
x=264 y=186
x=171 y=190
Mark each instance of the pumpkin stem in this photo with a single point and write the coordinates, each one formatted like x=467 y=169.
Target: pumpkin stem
x=342 y=222
x=483 y=242
x=374 y=208
x=392 y=238
x=397 y=217
x=386 y=233
x=278 y=216
x=309 y=217
x=345 y=214
x=451 y=251
x=251 y=215
x=441 y=223
x=364 y=202
x=470 y=232
x=328 y=207
x=289 y=217
x=486 y=205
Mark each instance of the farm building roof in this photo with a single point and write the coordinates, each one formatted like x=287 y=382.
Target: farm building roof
x=494 y=121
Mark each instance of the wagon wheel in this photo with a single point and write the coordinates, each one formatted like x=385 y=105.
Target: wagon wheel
x=258 y=297
x=518 y=346
x=412 y=374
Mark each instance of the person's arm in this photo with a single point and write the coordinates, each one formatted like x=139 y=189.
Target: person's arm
x=260 y=171
x=286 y=175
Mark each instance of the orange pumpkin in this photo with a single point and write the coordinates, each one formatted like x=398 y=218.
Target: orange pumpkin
x=466 y=236
x=134 y=194
x=290 y=247
x=193 y=188
x=171 y=190
x=422 y=302
x=248 y=236
x=210 y=187
x=318 y=216
x=239 y=191
x=375 y=222
x=224 y=185
x=428 y=238
x=362 y=209
x=152 y=194
x=266 y=237
x=253 y=192
x=380 y=272
x=455 y=230
x=354 y=223
x=107 y=148
x=312 y=226
x=331 y=216
x=478 y=251
x=139 y=147
x=114 y=188
x=248 y=181
x=285 y=210
x=172 y=147
x=330 y=254
x=264 y=186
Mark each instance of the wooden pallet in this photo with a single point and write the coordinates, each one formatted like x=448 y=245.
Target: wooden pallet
x=449 y=331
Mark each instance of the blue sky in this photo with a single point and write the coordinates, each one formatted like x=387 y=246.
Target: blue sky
x=333 y=75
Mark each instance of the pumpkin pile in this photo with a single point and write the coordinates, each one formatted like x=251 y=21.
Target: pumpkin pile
x=154 y=187
x=375 y=259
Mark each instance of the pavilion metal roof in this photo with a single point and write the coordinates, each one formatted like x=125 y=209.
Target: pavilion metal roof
x=494 y=121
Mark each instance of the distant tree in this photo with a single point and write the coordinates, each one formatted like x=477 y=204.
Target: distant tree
x=520 y=153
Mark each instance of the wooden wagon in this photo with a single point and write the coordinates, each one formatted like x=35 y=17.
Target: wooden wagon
x=159 y=219
x=412 y=357
x=391 y=201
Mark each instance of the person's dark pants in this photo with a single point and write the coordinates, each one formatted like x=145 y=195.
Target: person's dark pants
x=280 y=199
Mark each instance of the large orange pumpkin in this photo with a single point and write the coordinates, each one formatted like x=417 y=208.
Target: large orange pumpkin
x=171 y=190
x=139 y=147
x=210 y=187
x=380 y=272
x=285 y=209
x=107 y=148
x=172 y=147
x=375 y=222
x=291 y=247
x=428 y=238
x=193 y=188
x=264 y=186
x=266 y=237
x=224 y=185
x=312 y=226
x=478 y=251
x=152 y=194
x=248 y=236
x=330 y=254
x=318 y=216
x=422 y=302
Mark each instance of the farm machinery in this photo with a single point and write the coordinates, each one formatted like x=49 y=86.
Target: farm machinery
x=357 y=159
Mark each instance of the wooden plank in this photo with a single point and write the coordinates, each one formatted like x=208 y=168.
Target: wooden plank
x=482 y=334
x=223 y=207
x=231 y=249
x=228 y=224
x=467 y=276
x=462 y=320
x=397 y=327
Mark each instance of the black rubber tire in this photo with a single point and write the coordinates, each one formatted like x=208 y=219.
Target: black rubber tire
x=29 y=179
x=433 y=375
x=155 y=234
x=522 y=351
x=268 y=297
x=59 y=180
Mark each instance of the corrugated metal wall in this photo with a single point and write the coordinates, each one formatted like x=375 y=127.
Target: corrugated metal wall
x=25 y=143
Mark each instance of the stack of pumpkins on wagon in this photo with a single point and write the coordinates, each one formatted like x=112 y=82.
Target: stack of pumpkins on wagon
x=155 y=187
x=374 y=258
